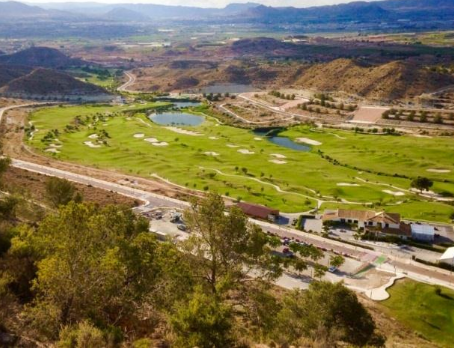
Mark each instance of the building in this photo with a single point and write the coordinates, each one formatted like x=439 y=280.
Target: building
x=364 y=219
x=258 y=211
x=448 y=256
x=422 y=232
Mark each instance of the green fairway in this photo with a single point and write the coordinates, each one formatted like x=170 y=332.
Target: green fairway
x=421 y=308
x=236 y=163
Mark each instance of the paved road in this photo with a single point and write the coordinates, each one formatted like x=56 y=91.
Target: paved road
x=151 y=200
x=131 y=81
x=420 y=272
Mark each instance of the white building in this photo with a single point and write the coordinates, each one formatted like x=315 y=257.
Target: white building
x=422 y=232
x=448 y=256
x=364 y=219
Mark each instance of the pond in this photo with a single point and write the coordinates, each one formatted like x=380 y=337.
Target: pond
x=186 y=104
x=283 y=141
x=180 y=103
x=288 y=143
x=176 y=119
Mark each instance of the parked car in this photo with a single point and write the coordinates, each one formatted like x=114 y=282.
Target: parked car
x=332 y=269
x=286 y=251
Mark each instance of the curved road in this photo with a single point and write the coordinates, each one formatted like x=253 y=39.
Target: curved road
x=131 y=81
x=406 y=266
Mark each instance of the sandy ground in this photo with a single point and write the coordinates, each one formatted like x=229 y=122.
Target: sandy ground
x=436 y=170
x=279 y=156
x=93 y=136
x=307 y=141
x=278 y=162
x=213 y=138
x=183 y=131
x=246 y=151
x=138 y=135
x=34 y=185
x=368 y=114
x=232 y=146
x=421 y=136
x=395 y=193
x=211 y=153
x=91 y=145
x=347 y=185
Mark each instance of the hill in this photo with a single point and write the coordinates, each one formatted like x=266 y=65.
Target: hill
x=16 y=9
x=41 y=57
x=50 y=82
x=393 y=80
x=123 y=14
x=9 y=73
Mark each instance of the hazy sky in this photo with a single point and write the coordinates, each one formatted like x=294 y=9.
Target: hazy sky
x=211 y=3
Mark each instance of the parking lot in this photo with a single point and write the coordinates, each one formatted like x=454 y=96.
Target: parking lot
x=167 y=224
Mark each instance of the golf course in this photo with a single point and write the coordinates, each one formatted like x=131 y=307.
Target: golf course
x=370 y=171
x=426 y=309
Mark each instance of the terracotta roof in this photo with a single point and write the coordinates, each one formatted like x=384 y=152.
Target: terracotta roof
x=390 y=218
x=404 y=230
x=257 y=210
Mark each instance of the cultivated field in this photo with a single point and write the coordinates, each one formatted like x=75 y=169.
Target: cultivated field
x=242 y=165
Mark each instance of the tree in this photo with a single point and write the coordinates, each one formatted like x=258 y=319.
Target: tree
x=326 y=314
x=92 y=263
x=224 y=248
x=59 y=191
x=421 y=183
x=82 y=335
x=203 y=322
x=336 y=261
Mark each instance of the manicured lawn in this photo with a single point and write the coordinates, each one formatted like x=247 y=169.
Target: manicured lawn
x=419 y=307
x=189 y=160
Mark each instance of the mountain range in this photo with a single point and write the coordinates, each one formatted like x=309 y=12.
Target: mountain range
x=396 y=10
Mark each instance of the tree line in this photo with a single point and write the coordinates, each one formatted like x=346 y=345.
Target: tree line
x=89 y=276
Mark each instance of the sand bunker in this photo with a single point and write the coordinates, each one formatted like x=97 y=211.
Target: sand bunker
x=182 y=131
x=52 y=145
x=232 y=146
x=151 y=140
x=156 y=142
x=279 y=156
x=138 y=135
x=395 y=193
x=160 y=144
x=307 y=141
x=211 y=153
x=437 y=170
x=52 y=150
x=348 y=185
x=93 y=136
x=258 y=138
x=91 y=145
x=213 y=138
x=246 y=151
x=279 y=162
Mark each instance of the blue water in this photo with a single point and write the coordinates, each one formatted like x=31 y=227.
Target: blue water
x=288 y=143
x=176 y=119
x=186 y=104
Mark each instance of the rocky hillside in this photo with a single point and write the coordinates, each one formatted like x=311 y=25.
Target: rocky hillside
x=9 y=73
x=392 y=80
x=50 y=82
x=41 y=57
